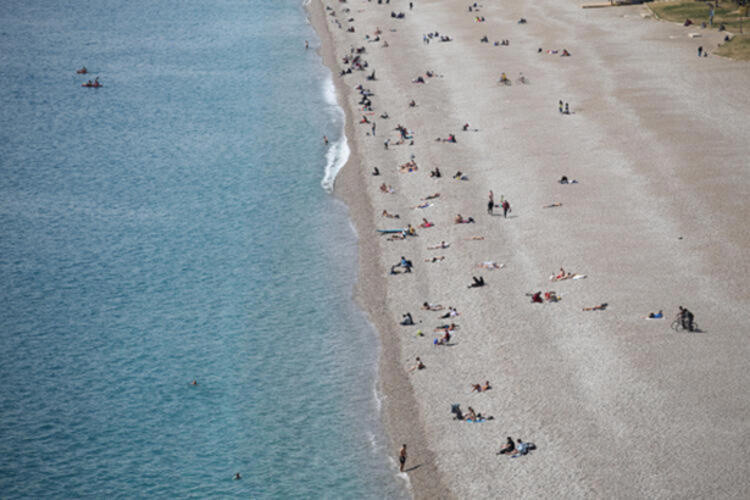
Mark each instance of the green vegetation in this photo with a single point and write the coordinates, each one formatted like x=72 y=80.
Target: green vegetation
x=731 y=14
x=738 y=48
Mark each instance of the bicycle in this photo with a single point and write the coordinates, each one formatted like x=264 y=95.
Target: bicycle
x=677 y=325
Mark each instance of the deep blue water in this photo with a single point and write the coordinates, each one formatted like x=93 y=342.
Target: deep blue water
x=171 y=226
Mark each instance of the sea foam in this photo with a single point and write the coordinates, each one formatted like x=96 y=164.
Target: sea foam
x=338 y=149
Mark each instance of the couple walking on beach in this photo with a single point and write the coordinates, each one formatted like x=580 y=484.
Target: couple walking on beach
x=503 y=203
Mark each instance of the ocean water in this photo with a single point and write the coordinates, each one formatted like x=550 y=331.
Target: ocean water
x=175 y=225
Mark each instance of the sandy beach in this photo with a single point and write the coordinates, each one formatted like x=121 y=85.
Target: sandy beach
x=618 y=405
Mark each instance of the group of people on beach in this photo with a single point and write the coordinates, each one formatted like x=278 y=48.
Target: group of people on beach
x=354 y=61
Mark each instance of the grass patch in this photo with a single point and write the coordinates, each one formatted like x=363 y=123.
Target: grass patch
x=727 y=13
x=737 y=48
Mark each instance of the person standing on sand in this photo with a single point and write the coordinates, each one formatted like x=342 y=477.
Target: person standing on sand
x=402 y=458
x=307 y=45
x=491 y=203
x=700 y=50
x=506 y=208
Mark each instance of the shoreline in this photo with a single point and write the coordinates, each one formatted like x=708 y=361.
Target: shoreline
x=655 y=221
x=397 y=394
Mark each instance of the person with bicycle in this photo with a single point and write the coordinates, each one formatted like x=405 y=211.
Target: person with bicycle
x=686 y=319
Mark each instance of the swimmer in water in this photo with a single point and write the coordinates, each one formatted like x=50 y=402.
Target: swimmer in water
x=325 y=139
x=237 y=476
x=194 y=382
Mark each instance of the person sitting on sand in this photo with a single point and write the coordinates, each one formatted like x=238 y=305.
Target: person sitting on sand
x=476 y=387
x=600 y=307
x=451 y=138
x=551 y=296
x=406 y=320
x=412 y=103
x=418 y=79
x=406 y=264
x=410 y=230
x=435 y=173
x=486 y=386
x=418 y=365
x=471 y=414
x=442 y=245
x=523 y=448
x=536 y=297
x=460 y=176
x=425 y=223
x=510 y=447
x=477 y=282
x=460 y=220
x=432 y=307
x=444 y=340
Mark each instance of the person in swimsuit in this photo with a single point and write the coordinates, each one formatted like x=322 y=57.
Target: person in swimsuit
x=402 y=458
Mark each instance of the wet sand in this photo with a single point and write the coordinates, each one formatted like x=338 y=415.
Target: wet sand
x=617 y=405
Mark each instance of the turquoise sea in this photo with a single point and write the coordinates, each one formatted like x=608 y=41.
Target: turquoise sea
x=172 y=226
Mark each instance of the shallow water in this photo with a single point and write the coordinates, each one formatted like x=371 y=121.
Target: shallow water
x=170 y=226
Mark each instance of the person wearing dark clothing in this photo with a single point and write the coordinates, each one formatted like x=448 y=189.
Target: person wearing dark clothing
x=506 y=208
x=510 y=447
x=686 y=319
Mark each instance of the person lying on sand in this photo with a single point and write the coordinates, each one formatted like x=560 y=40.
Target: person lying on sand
x=397 y=236
x=425 y=223
x=564 y=178
x=536 y=297
x=475 y=238
x=435 y=259
x=477 y=282
x=431 y=196
x=422 y=205
x=386 y=189
x=460 y=220
x=658 y=315
x=490 y=264
x=460 y=176
x=440 y=246
x=389 y=215
x=600 y=307
x=432 y=307
x=480 y=388
x=452 y=313
x=551 y=296
x=452 y=327
x=553 y=205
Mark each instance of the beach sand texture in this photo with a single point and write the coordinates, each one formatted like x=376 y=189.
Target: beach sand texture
x=618 y=406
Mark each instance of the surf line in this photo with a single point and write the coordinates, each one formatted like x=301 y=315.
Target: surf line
x=338 y=150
